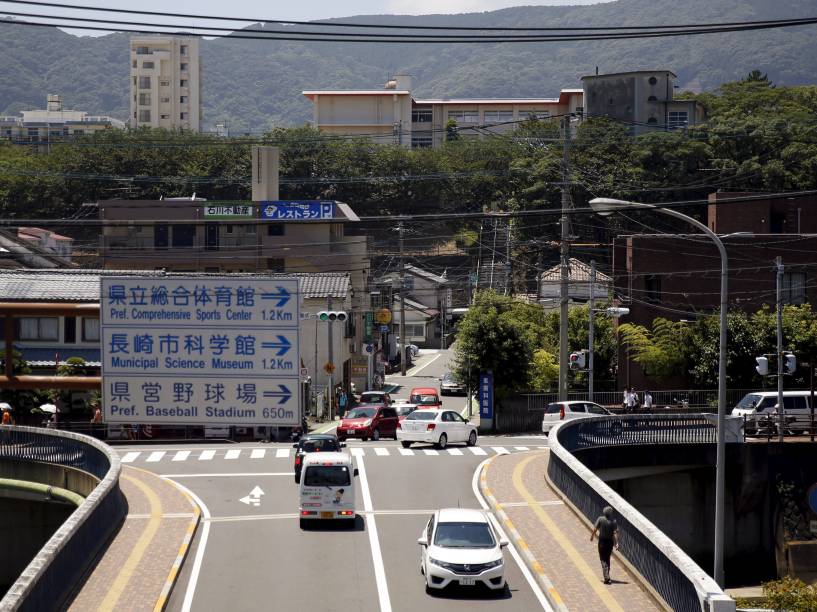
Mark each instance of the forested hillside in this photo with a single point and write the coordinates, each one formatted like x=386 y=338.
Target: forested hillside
x=255 y=85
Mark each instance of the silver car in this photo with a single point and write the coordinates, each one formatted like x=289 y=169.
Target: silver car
x=449 y=385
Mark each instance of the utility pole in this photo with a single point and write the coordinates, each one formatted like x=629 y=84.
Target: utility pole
x=591 y=331
x=402 y=304
x=780 y=410
x=564 y=252
x=330 y=360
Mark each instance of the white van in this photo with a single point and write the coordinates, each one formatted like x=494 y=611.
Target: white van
x=327 y=490
x=757 y=405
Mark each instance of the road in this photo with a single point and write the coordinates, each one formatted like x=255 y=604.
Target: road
x=252 y=557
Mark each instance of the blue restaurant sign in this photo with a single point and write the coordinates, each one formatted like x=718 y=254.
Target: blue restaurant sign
x=294 y=210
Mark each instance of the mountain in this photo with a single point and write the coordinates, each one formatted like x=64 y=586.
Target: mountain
x=255 y=85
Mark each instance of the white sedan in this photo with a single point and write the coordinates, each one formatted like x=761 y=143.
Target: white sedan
x=438 y=427
x=462 y=547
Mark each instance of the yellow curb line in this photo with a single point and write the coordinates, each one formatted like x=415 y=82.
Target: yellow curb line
x=550 y=591
x=578 y=561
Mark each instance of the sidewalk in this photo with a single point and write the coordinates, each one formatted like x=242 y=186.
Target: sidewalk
x=142 y=562
x=553 y=542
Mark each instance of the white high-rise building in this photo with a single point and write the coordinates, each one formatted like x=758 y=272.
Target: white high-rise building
x=165 y=82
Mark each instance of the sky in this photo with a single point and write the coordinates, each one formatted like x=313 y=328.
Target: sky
x=299 y=11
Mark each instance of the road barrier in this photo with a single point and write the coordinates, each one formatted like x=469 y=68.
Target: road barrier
x=667 y=569
x=61 y=564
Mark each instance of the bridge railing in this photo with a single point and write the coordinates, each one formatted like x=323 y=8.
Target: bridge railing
x=61 y=563
x=669 y=571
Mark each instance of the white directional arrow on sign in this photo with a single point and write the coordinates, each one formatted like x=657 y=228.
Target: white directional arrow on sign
x=254 y=497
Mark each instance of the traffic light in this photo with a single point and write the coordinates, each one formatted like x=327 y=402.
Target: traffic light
x=762 y=366
x=332 y=315
x=577 y=360
x=789 y=363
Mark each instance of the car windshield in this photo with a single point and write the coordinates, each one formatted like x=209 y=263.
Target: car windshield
x=425 y=399
x=327 y=476
x=422 y=416
x=464 y=535
x=319 y=445
x=361 y=413
x=449 y=378
x=372 y=398
x=404 y=410
x=749 y=401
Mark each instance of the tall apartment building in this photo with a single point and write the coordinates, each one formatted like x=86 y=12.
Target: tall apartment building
x=165 y=82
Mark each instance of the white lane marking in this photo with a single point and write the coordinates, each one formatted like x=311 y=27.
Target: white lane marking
x=550 y=502
x=537 y=591
x=181 y=456
x=155 y=456
x=477 y=450
x=522 y=448
x=406 y=451
x=258 y=453
x=130 y=457
x=281 y=453
x=207 y=455
x=381 y=452
x=416 y=371
x=357 y=452
x=430 y=451
x=499 y=450
x=374 y=540
x=232 y=454
x=205 y=534
x=218 y=474
x=540 y=447
x=454 y=451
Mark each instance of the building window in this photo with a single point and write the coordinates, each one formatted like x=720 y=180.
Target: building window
x=143 y=51
x=182 y=49
x=415 y=330
x=184 y=235
x=144 y=82
x=90 y=330
x=794 y=287
x=498 y=116
x=133 y=64
x=420 y=141
x=652 y=288
x=160 y=236
x=535 y=114
x=144 y=116
x=144 y=99
x=652 y=99
x=39 y=328
x=421 y=115
x=148 y=65
x=183 y=66
x=164 y=83
x=249 y=230
x=183 y=99
x=183 y=116
x=275 y=264
x=165 y=100
x=464 y=116
x=677 y=119
x=69 y=330
x=79 y=132
x=276 y=229
x=165 y=116
x=183 y=83
x=652 y=81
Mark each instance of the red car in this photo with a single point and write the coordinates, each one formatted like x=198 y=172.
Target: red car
x=366 y=422
x=425 y=397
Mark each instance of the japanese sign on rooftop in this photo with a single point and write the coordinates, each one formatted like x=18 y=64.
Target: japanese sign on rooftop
x=294 y=210
x=228 y=211
x=200 y=350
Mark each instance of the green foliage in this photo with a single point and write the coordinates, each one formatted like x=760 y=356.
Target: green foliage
x=544 y=371
x=790 y=594
x=660 y=351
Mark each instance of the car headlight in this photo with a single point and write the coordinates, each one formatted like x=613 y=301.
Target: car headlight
x=367 y=423
x=442 y=564
x=492 y=564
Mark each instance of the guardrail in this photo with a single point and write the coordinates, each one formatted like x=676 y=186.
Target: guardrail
x=54 y=573
x=674 y=398
x=669 y=571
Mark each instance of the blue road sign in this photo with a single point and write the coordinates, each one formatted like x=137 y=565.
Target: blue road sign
x=281 y=345
x=281 y=295
x=486 y=395
x=384 y=329
x=283 y=393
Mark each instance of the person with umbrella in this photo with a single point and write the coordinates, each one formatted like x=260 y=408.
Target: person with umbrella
x=6 y=408
x=52 y=410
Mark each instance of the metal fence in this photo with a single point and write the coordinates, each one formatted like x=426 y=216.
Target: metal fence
x=674 y=399
x=63 y=561
x=683 y=585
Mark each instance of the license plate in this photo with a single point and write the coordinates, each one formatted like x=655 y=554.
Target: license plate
x=327 y=515
x=467 y=581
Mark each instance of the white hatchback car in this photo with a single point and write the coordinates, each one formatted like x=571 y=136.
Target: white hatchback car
x=562 y=411
x=438 y=427
x=461 y=546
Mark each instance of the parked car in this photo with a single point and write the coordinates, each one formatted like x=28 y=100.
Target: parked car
x=450 y=385
x=760 y=407
x=375 y=397
x=438 y=427
x=314 y=443
x=425 y=397
x=575 y=409
x=461 y=546
x=364 y=422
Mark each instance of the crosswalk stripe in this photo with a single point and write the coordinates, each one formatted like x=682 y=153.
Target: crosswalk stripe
x=542 y=447
x=357 y=451
x=207 y=455
x=155 y=456
x=521 y=448
x=258 y=453
x=499 y=450
x=477 y=450
x=430 y=451
x=406 y=451
x=232 y=454
x=282 y=453
x=454 y=451
x=382 y=452
x=181 y=456
x=130 y=457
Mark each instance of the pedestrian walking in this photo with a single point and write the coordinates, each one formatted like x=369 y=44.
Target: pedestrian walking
x=647 y=402
x=342 y=400
x=7 y=420
x=630 y=400
x=607 y=530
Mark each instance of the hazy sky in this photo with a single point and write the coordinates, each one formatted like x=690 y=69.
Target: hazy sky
x=314 y=9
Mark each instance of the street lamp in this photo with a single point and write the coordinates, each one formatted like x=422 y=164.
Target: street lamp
x=608 y=206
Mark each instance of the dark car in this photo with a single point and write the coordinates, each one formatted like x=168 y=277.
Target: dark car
x=314 y=443
x=364 y=422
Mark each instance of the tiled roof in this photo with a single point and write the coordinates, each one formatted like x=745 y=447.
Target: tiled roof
x=579 y=273
x=83 y=285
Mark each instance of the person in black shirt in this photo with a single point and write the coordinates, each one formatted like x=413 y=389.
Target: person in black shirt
x=607 y=530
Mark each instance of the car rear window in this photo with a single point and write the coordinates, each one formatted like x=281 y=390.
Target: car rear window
x=327 y=476
x=372 y=398
x=552 y=409
x=464 y=535
x=425 y=399
x=405 y=410
x=311 y=446
x=422 y=416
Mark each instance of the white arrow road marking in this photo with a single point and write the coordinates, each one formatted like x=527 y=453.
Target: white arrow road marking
x=254 y=497
x=257 y=491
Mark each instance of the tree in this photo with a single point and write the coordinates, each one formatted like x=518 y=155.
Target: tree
x=544 y=371
x=661 y=351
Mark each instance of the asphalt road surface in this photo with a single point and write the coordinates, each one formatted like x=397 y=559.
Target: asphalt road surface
x=250 y=554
